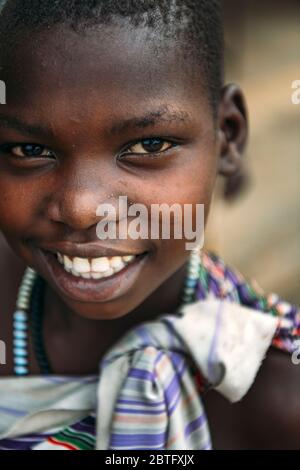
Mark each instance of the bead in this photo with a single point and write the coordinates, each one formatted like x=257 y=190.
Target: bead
x=192 y=277
x=30 y=276
x=25 y=288
x=189 y=291
x=20 y=322
x=22 y=305
x=20 y=334
x=20 y=352
x=20 y=325
x=20 y=343
x=193 y=266
x=21 y=370
x=190 y=282
x=20 y=315
x=21 y=361
x=24 y=296
x=186 y=298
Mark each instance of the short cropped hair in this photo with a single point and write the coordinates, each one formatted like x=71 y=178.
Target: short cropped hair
x=196 y=25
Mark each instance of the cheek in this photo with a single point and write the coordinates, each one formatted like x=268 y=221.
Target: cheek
x=191 y=180
x=18 y=204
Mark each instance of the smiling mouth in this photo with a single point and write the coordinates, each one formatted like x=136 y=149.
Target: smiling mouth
x=103 y=267
x=95 y=268
x=84 y=274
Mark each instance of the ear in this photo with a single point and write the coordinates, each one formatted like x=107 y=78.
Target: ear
x=233 y=129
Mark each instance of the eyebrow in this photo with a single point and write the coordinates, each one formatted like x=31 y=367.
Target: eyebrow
x=11 y=122
x=162 y=115
x=150 y=119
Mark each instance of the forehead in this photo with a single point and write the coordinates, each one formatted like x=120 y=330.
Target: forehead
x=112 y=67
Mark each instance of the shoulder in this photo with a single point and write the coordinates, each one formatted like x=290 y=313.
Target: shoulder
x=269 y=415
x=220 y=280
x=272 y=407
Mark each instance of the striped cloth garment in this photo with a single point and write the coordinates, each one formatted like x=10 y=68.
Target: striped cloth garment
x=148 y=391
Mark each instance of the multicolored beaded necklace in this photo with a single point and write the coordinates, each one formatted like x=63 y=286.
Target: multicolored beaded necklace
x=30 y=303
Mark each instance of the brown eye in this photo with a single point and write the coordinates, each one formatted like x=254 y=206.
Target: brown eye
x=30 y=150
x=149 y=146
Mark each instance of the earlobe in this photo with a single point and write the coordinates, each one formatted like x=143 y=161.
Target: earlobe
x=230 y=162
x=233 y=129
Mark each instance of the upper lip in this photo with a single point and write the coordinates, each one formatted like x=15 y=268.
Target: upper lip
x=86 y=250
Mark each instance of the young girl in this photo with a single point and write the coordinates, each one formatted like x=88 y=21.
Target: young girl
x=127 y=343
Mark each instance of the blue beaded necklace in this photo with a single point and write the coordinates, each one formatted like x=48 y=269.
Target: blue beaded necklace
x=30 y=301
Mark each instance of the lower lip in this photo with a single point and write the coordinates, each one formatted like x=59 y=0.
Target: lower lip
x=92 y=290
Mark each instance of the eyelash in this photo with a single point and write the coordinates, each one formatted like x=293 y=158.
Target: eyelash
x=125 y=152
x=7 y=148
x=154 y=154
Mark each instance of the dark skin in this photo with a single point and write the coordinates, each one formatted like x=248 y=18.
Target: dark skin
x=53 y=198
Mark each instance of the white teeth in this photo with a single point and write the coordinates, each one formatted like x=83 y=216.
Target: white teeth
x=100 y=265
x=117 y=263
x=128 y=258
x=68 y=262
x=95 y=268
x=75 y=273
x=96 y=275
x=108 y=273
x=86 y=275
x=60 y=258
x=81 y=265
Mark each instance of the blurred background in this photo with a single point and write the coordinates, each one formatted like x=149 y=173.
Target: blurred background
x=258 y=230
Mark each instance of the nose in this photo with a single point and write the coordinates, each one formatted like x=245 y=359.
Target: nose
x=75 y=200
x=77 y=209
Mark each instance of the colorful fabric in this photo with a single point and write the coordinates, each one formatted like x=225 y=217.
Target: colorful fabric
x=148 y=392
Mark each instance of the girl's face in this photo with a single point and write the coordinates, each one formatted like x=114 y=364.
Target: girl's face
x=91 y=117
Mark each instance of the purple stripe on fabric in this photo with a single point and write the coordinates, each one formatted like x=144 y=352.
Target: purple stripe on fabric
x=144 y=412
x=244 y=295
x=172 y=337
x=13 y=444
x=293 y=314
x=124 y=440
x=23 y=442
x=170 y=392
x=141 y=374
x=84 y=427
x=69 y=379
x=195 y=424
x=214 y=287
x=13 y=411
x=173 y=332
x=138 y=402
x=200 y=292
x=174 y=388
x=231 y=277
x=146 y=337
